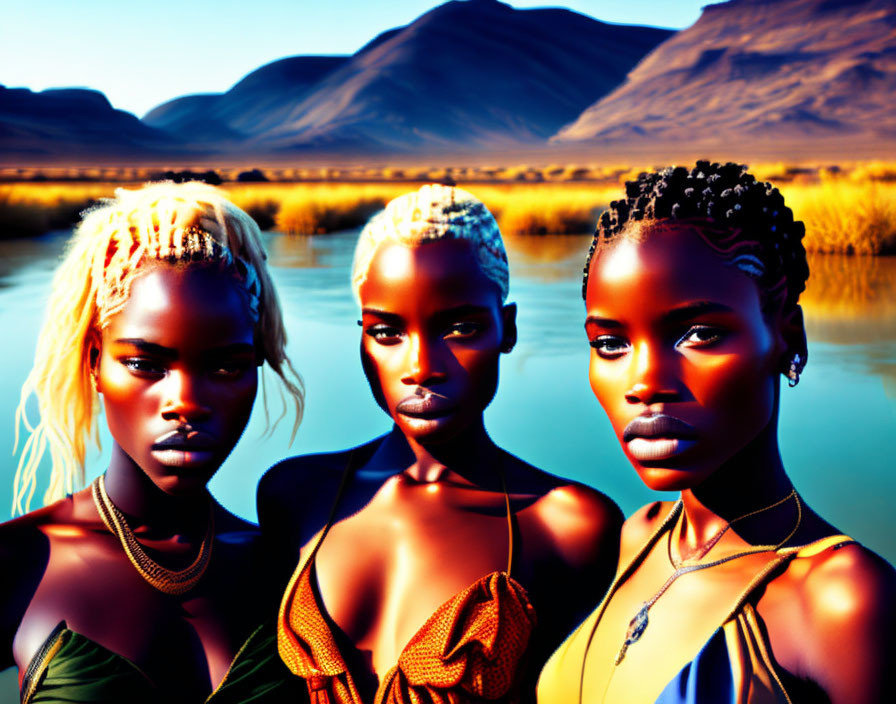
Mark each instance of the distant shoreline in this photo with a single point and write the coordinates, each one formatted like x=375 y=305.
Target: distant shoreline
x=848 y=209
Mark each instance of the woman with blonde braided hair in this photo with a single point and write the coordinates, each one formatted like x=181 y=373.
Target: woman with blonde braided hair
x=142 y=588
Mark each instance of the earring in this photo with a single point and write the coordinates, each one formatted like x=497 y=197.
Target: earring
x=793 y=374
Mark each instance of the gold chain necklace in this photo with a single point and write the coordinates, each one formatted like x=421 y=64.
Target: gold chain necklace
x=639 y=622
x=163 y=579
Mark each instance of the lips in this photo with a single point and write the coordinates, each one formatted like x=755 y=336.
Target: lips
x=185 y=440
x=658 y=425
x=425 y=403
x=657 y=436
x=181 y=448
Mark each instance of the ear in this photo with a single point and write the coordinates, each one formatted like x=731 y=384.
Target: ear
x=94 y=352
x=508 y=317
x=793 y=334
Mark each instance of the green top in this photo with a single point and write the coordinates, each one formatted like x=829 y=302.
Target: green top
x=72 y=669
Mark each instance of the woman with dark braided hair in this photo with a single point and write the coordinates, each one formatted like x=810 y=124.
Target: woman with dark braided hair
x=738 y=592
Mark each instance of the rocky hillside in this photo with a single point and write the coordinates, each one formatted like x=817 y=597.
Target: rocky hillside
x=474 y=73
x=759 y=70
x=70 y=123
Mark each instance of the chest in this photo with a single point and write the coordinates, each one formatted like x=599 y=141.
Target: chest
x=683 y=614
x=383 y=572
x=182 y=643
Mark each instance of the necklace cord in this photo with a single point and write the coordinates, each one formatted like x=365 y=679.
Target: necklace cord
x=701 y=552
x=640 y=620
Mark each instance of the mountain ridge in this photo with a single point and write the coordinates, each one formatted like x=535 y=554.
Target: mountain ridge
x=756 y=69
x=464 y=74
x=72 y=122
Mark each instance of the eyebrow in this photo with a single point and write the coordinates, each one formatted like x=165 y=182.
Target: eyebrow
x=677 y=315
x=235 y=348
x=148 y=347
x=161 y=351
x=463 y=309
x=602 y=322
x=384 y=314
x=693 y=310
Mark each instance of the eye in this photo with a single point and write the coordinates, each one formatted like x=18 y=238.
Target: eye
x=610 y=346
x=143 y=366
x=384 y=334
x=701 y=336
x=463 y=329
x=230 y=369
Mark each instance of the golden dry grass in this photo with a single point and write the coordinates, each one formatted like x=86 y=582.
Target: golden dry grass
x=313 y=208
x=34 y=208
x=846 y=209
x=846 y=216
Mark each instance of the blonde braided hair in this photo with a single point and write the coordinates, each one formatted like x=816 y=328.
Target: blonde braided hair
x=175 y=224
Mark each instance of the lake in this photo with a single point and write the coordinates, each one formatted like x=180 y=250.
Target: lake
x=837 y=427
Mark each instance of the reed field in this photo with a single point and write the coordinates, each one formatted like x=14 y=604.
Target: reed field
x=849 y=210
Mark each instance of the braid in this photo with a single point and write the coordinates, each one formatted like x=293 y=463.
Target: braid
x=183 y=224
x=744 y=220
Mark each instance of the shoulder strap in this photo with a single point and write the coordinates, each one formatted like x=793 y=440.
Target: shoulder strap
x=343 y=484
x=819 y=546
x=782 y=557
x=623 y=574
x=509 y=516
x=286 y=639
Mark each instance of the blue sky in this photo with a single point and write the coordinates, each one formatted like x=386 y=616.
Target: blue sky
x=143 y=53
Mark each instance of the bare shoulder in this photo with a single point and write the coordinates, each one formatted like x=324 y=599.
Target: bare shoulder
x=296 y=494
x=285 y=480
x=847 y=587
x=19 y=536
x=847 y=596
x=585 y=523
x=582 y=522
x=24 y=553
x=232 y=528
x=641 y=525
x=296 y=480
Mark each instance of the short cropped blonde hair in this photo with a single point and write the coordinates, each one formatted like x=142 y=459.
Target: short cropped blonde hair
x=435 y=212
x=179 y=224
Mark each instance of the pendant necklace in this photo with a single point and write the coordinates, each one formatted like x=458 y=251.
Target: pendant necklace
x=163 y=579
x=639 y=622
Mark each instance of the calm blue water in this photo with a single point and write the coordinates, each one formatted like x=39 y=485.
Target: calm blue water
x=837 y=426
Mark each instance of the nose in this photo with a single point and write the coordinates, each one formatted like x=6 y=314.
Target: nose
x=654 y=377
x=183 y=398
x=423 y=365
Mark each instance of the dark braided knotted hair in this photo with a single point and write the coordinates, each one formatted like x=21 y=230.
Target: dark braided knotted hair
x=742 y=219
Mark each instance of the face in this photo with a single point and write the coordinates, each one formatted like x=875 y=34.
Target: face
x=178 y=374
x=433 y=330
x=683 y=360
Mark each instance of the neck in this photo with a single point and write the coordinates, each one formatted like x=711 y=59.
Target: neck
x=470 y=456
x=751 y=480
x=135 y=495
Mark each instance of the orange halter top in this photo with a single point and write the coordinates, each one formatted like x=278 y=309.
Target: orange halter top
x=469 y=650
